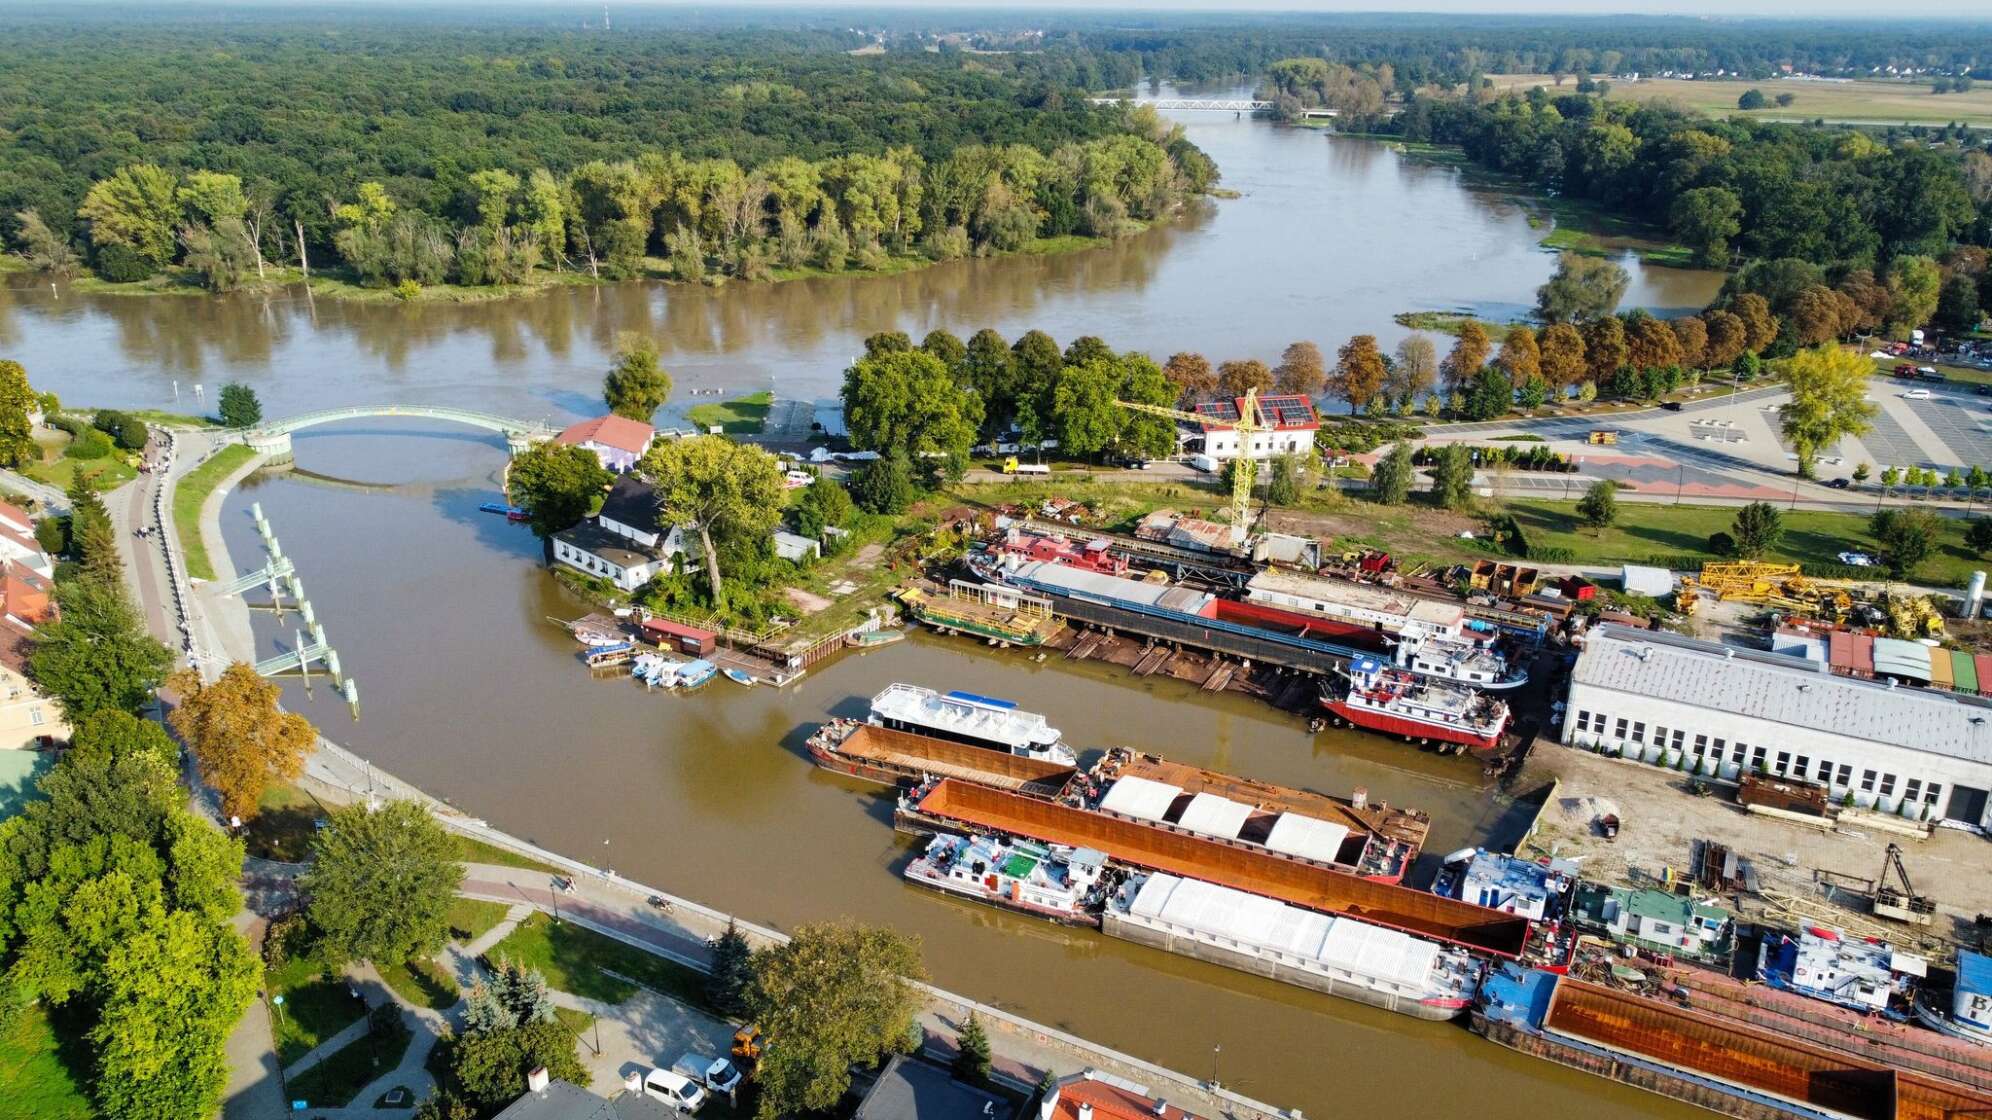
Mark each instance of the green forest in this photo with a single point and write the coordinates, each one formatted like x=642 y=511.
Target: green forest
x=477 y=155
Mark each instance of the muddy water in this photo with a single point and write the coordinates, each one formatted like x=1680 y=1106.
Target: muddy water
x=1330 y=237
x=440 y=611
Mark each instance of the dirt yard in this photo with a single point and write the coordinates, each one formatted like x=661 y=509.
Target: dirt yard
x=1660 y=820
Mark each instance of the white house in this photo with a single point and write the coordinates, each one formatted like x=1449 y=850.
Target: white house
x=20 y=546
x=623 y=543
x=616 y=440
x=1287 y=422
x=1722 y=710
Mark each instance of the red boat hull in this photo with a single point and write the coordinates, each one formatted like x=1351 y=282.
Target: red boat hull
x=1409 y=728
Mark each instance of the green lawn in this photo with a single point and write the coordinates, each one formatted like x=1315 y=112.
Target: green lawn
x=58 y=469
x=469 y=918
x=423 y=982
x=745 y=416
x=315 y=1006
x=191 y=494
x=38 y=1081
x=285 y=821
x=1648 y=530
x=573 y=960
x=477 y=851
x=334 y=1082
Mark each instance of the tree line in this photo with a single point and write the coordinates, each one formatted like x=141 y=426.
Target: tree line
x=1725 y=188
x=725 y=153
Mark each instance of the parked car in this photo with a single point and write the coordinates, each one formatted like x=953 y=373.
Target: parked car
x=715 y=1074
x=1671 y=406
x=1857 y=559
x=674 y=1089
x=1916 y=395
x=1839 y=484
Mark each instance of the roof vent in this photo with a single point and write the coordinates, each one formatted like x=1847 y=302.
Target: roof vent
x=1977 y=719
x=1161 y=1107
x=1729 y=653
x=1805 y=686
x=536 y=1081
x=1085 y=1111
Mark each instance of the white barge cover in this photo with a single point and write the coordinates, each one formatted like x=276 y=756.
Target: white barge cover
x=962 y=715
x=1253 y=923
x=1144 y=798
x=1306 y=837
x=1211 y=815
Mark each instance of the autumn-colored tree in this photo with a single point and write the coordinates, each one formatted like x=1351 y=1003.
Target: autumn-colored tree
x=1691 y=336
x=1605 y=348
x=1726 y=339
x=1416 y=369
x=1238 y=375
x=1760 y=327
x=1871 y=300
x=1562 y=349
x=242 y=740
x=1650 y=344
x=1521 y=357
x=1468 y=354
x=1192 y=375
x=1815 y=315
x=1359 y=371
x=1302 y=369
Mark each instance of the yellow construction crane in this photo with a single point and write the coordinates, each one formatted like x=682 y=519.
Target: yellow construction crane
x=1244 y=468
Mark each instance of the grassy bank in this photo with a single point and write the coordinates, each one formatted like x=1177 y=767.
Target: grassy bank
x=745 y=416
x=191 y=494
x=1859 y=102
x=578 y=961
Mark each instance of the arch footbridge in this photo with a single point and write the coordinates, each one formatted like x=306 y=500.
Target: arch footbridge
x=274 y=438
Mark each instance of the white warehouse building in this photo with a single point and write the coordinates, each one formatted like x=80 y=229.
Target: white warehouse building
x=1663 y=698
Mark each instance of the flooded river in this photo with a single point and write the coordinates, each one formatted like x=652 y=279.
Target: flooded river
x=440 y=611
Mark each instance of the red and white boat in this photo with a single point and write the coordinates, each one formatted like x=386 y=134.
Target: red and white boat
x=1381 y=698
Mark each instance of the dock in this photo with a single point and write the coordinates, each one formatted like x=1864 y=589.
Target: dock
x=982 y=809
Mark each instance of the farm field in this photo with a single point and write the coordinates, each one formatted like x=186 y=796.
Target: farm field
x=1852 y=102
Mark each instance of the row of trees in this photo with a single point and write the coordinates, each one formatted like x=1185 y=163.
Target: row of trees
x=1758 y=189
x=707 y=216
x=1815 y=304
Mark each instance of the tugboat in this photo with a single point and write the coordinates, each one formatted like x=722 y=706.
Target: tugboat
x=1390 y=700
x=1042 y=880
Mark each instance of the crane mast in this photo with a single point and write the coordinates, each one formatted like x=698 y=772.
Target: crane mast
x=1243 y=469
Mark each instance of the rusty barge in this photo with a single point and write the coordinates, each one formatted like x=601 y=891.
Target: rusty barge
x=902 y=758
x=1724 y=1065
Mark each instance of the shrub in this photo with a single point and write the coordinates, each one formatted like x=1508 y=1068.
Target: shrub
x=121 y=265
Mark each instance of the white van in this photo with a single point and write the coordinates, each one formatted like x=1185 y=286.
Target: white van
x=674 y=1089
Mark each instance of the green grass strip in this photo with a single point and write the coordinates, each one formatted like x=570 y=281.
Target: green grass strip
x=191 y=494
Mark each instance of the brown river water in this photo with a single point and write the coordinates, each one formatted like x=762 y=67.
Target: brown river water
x=440 y=611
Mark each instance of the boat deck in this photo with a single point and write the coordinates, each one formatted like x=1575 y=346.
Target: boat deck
x=1257 y=872
x=906 y=756
x=1402 y=825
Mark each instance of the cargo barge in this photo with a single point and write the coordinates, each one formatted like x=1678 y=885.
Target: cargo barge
x=1000 y=615
x=901 y=758
x=1353 y=835
x=1725 y=1066
x=966 y=807
x=1338 y=956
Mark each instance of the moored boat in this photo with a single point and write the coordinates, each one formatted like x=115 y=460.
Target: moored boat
x=738 y=676
x=1042 y=880
x=964 y=717
x=1377 y=697
x=901 y=758
x=693 y=674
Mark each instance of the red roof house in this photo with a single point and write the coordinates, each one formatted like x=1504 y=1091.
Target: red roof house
x=1097 y=1096
x=617 y=440
x=1287 y=423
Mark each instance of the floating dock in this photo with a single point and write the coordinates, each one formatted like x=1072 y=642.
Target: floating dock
x=1720 y=1064
x=894 y=758
x=1268 y=874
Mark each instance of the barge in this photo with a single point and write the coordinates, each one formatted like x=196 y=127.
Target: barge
x=997 y=614
x=967 y=807
x=1339 y=956
x=1348 y=834
x=964 y=717
x=1043 y=880
x=1725 y=1066
x=1421 y=709
x=901 y=758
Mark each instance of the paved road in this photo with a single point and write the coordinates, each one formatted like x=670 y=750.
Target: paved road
x=48 y=497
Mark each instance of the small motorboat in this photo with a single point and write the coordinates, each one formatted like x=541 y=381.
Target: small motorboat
x=693 y=674
x=512 y=513
x=738 y=676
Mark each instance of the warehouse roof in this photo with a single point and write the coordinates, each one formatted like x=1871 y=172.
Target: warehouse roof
x=1786 y=690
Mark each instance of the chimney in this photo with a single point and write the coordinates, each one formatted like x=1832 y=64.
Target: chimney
x=1360 y=798
x=536 y=1081
x=1085 y=1111
x=1161 y=1107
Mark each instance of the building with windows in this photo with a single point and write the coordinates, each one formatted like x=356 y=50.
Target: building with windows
x=28 y=719
x=1723 y=711
x=617 y=441
x=1287 y=423
x=623 y=543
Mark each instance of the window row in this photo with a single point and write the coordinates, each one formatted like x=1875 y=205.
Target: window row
x=1783 y=764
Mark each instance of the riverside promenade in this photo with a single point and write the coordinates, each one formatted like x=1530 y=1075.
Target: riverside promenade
x=602 y=901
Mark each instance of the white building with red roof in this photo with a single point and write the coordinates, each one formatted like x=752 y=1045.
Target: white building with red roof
x=1287 y=423
x=1093 y=1095
x=617 y=441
